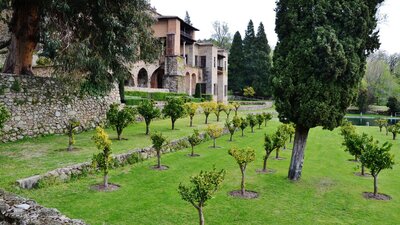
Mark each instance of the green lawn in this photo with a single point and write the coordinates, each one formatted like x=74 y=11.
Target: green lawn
x=328 y=193
x=28 y=157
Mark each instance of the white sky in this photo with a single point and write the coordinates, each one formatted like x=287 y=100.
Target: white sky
x=238 y=13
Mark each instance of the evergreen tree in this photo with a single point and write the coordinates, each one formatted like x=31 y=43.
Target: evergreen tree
x=236 y=64
x=263 y=63
x=249 y=55
x=187 y=19
x=319 y=62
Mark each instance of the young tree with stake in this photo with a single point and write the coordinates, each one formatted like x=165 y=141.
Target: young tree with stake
x=194 y=140
x=191 y=110
x=120 y=119
x=72 y=124
x=260 y=120
x=148 y=111
x=158 y=141
x=243 y=157
x=231 y=128
x=214 y=131
x=202 y=188
x=319 y=62
x=377 y=158
x=252 y=120
x=102 y=160
x=267 y=117
x=174 y=109
x=220 y=108
x=243 y=124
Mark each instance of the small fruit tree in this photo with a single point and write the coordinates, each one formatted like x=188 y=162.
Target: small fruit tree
x=194 y=140
x=4 y=116
x=252 y=120
x=249 y=92
x=231 y=128
x=158 y=141
x=236 y=105
x=243 y=157
x=228 y=109
x=377 y=158
x=202 y=188
x=243 y=124
x=174 y=109
x=71 y=126
x=269 y=147
x=208 y=108
x=214 y=131
x=381 y=123
x=394 y=129
x=102 y=161
x=220 y=108
x=191 y=110
x=148 y=111
x=260 y=120
x=119 y=119
x=267 y=117
x=280 y=138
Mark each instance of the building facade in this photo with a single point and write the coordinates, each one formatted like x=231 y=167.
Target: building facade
x=184 y=63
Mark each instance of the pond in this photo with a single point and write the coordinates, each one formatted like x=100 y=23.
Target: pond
x=368 y=121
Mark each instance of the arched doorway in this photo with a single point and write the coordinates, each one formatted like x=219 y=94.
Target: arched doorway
x=143 y=78
x=130 y=82
x=157 y=78
x=194 y=81
x=187 y=83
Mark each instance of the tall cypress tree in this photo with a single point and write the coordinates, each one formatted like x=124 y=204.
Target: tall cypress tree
x=187 y=19
x=249 y=53
x=235 y=69
x=319 y=62
x=263 y=62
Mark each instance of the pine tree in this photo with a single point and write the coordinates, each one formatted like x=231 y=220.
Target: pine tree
x=235 y=69
x=319 y=62
x=187 y=19
x=263 y=62
x=249 y=52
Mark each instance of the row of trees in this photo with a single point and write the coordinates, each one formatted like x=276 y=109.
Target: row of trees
x=250 y=62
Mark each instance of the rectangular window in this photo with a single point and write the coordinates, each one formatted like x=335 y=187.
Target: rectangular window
x=196 y=59
x=215 y=62
x=203 y=61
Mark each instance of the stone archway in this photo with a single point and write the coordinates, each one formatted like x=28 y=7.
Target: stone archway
x=187 y=83
x=143 y=78
x=130 y=82
x=157 y=78
x=194 y=82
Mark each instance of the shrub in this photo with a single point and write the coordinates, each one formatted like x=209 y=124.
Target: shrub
x=72 y=124
x=207 y=97
x=243 y=124
x=260 y=120
x=243 y=157
x=393 y=105
x=220 y=107
x=119 y=119
x=43 y=61
x=103 y=160
x=208 y=107
x=174 y=109
x=376 y=159
x=252 y=120
x=158 y=141
x=202 y=187
x=191 y=110
x=4 y=116
x=249 y=92
x=267 y=117
x=148 y=111
x=214 y=131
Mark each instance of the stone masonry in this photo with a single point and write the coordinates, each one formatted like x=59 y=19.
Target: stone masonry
x=42 y=105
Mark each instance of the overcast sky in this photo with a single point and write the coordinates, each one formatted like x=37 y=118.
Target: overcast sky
x=238 y=13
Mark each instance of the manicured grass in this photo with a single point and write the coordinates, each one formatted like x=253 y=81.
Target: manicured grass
x=328 y=193
x=38 y=155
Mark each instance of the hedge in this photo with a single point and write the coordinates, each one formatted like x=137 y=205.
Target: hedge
x=156 y=96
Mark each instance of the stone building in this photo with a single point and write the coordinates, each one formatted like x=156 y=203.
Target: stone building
x=184 y=63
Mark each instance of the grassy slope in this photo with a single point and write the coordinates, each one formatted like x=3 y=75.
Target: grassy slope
x=328 y=193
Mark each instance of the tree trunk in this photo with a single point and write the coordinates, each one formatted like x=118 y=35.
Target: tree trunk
x=215 y=141
x=158 y=159
x=206 y=119
x=375 y=185
x=192 y=151
x=252 y=129
x=242 y=133
x=105 y=181
x=265 y=163
x=362 y=170
x=394 y=136
x=380 y=129
x=299 y=145
x=70 y=141
x=242 y=185
x=265 y=124
x=121 y=89
x=290 y=138
x=201 y=216
x=230 y=139
x=218 y=117
x=147 y=128
x=356 y=158
x=119 y=132
x=191 y=121
x=24 y=37
x=277 y=154
x=173 y=124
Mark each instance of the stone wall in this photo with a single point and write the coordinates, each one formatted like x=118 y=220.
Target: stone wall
x=41 y=106
x=21 y=211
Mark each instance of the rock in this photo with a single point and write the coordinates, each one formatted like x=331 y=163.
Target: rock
x=23 y=206
x=29 y=183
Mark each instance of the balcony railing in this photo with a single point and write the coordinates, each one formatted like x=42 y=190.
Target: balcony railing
x=186 y=35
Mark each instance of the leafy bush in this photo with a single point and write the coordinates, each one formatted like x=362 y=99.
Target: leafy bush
x=174 y=109
x=207 y=97
x=72 y=124
x=119 y=119
x=249 y=92
x=148 y=111
x=4 y=116
x=103 y=160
